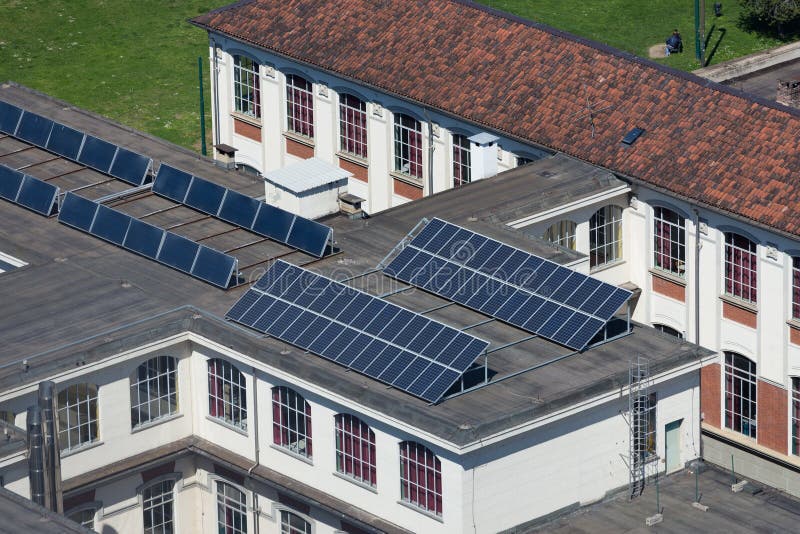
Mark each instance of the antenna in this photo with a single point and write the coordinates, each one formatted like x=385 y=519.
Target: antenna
x=591 y=110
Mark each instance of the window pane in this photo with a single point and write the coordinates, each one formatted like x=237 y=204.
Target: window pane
x=420 y=477
x=355 y=449
x=227 y=393
x=246 y=89
x=669 y=241
x=407 y=145
x=605 y=236
x=353 y=125
x=740 y=394
x=299 y=105
x=291 y=421
x=153 y=392
x=77 y=416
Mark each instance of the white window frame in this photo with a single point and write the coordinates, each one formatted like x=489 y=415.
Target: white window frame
x=421 y=486
x=246 y=87
x=92 y=507
x=562 y=233
x=233 y=395
x=294 y=436
x=404 y=163
x=462 y=160
x=300 y=99
x=363 y=468
x=605 y=236
x=83 y=410
x=285 y=514
x=225 y=502
x=353 y=120
x=740 y=403
x=152 y=386
x=747 y=292
x=669 y=246
x=174 y=479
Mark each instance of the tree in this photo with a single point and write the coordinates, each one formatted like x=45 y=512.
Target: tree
x=772 y=13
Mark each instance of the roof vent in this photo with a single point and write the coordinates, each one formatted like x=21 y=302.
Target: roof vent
x=632 y=136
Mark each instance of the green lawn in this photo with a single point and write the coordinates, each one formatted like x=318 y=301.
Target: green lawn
x=136 y=60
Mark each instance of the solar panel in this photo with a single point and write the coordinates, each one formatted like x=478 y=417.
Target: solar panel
x=34 y=128
x=9 y=117
x=357 y=330
x=179 y=252
x=111 y=225
x=309 y=236
x=172 y=183
x=214 y=267
x=514 y=286
x=239 y=209
x=37 y=195
x=205 y=196
x=10 y=182
x=143 y=238
x=273 y=222
x=77 y=212
x=65 y=141
x=97 y=154
x=130 y=167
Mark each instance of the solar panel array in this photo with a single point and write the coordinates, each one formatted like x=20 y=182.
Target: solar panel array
x=357 y=330
x=27 y=191
x=86 y=149
x=241 y=210
x=147 y=240
x=509 y=284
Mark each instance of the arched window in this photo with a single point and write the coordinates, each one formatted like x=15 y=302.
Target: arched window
x=561 y=233
x=741 y=267
x=740 y=394
x=291 y=421
x=227 y=393
x=231 y=509
x=355 y=449
x=796 y=287
x=157 y=507
x=154 y=391
x=299 y=105
x=77 y=415
x=669 y=241
x=246 y=89
x=420 y=477
x=796 y=415
x=668 y=330
x=407 y=145
x=294 y=524
x=352 y=125
x=83 y=515
x=462 y=166
x=605 y=236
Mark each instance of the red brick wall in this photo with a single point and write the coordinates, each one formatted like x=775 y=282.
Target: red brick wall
x=246 y=129
x=359 y=171
x=669 y=288
x=772 y=416
x=710 y=394
x=794 y=335
x=299 y=149
x=740 y=315
x=407 y=190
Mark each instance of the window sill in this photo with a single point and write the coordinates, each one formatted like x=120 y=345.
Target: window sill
x=606 y=266
x=302 y=139
x=80 y=448
x=293 y=454
x=794 y=323
x=739 y=303
x=227 y=425
x=416 y=182
x=156 y=422
x=670 y=277
x=252 y=121
x=357 y=482
x=423 y=511
x=352 y=158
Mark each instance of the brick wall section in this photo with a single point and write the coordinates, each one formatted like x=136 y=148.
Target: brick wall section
x=772 y=416
x=669 y=288
x=710 y=394
x=359 y=171
x=407 y=190
x=299 y=149
x=245 y=129
x=740 y=315
x=794 y=336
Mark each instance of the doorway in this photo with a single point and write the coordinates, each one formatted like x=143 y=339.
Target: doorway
x=672 y=445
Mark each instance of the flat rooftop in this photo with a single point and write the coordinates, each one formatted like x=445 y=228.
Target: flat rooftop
x=81 y=299
x=764 y=83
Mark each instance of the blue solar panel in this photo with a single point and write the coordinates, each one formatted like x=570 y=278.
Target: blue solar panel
x=111 y=225
x=77 y=212
x=65 y=141
x=10 y=183
x=357 y=330
x=205 y=196
x=37 y=195
x=171 y=183
x=214 y=267
x=309 y=236
x=130 y=167
x=97 y=154
x=273 y=222
x=34 y=128
x=143 y=238
x=239 y=209
x=178 y=252
x=429 y=231
x=9 y=117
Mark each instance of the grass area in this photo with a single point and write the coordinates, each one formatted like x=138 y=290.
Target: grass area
x=134 y=61
x=636 y=25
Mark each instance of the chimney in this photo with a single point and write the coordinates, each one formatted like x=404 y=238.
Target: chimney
x=789 y=93
x=483 y=156
x=225 y=156
x=53 y=498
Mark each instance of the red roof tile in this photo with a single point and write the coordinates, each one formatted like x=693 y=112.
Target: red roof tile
x=702 y=141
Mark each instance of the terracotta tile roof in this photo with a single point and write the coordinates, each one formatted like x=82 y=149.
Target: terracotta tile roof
x=702 y=141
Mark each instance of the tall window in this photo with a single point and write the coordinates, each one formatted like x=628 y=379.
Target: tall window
x=353 y=125
x=355 y=449
x=740 y=267
x=157 y=508
x=669 y=241
x=299 y=105
x=294 y=524
x=291 y=421
x=462 y=173
x=153 y=390
x=227 y=393
x=740 y=394
x=561 y=233
x=420 y=477
x=605 y=236
x=796 y=288
x=77 y=415
x=246 y=90
x=231 y=509
x=796 y=415
x=407 y=145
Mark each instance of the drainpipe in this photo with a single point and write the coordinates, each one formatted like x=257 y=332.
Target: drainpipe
x=216 y=93
x=257 y=448
x=697 y=247
x=36 y=454
x=430 y=152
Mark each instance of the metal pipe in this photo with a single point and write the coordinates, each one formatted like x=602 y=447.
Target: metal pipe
x=216 y=92
x=35 y=454
x=51 y=450
x=257 y=446
x=697 y=248
x=430 y=151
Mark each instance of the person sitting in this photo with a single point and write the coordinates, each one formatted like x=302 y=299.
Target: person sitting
x=674 y=43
